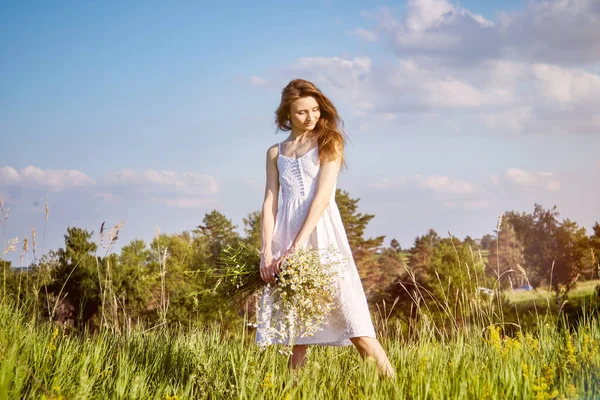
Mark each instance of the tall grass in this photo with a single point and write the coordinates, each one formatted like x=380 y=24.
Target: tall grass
x=474 y=351
x=40 y=361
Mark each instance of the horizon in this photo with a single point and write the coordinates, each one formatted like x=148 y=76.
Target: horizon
x=154 y=114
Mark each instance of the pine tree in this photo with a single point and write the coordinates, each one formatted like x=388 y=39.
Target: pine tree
x=355 y=224
x=394 y=244
x=421 y=250
x=220 y=232
x=374 y=272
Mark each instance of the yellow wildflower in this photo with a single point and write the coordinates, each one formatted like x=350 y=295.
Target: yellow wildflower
x=494 y=338
x=267 y=383
x=525 y=369
x=571 y=391
x=531 y=342
x=571 y=357
x=52 y=345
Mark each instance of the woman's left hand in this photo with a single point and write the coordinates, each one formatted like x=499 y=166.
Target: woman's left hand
x=281 y=259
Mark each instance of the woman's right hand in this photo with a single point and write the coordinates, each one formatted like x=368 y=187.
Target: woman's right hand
x=267 y=267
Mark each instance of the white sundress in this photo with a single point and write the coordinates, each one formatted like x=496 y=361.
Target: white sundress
x=298 y=181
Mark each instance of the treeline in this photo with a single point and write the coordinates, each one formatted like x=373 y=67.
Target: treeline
x=169 y=281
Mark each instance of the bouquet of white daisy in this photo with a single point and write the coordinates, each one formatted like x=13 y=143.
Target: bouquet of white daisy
x=303 y=296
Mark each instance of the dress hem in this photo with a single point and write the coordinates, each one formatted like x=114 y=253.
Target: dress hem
x=337 y=343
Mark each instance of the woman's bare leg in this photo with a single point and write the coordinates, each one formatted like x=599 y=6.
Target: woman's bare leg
x=298 y=356
x=369 y=347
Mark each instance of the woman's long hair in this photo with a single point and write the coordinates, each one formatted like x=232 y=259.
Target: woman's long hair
x=331 y=138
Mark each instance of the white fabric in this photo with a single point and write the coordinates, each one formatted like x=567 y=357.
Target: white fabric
x=298 y=181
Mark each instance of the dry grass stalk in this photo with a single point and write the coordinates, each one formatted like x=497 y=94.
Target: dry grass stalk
x=33 y=244
x=107 y=240
x=12 y=245
x=162 y=260
x=47 y=208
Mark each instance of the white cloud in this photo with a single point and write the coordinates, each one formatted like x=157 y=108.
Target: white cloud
x=32 y=177
x=513 y=119
x=180 y=181
x=174 y=189
x=566 y=87
x=554 y=31
x=507 y=70
x=366 y=35
x=434 y=27
x=507 y=97
x=424 y=14
x=443 y=184
x=439 y=192
x=351 y=70
x=435 y=183
x=523 y=178
x=348 y=79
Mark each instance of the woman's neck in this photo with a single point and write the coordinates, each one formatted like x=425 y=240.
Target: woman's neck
x=298 y=136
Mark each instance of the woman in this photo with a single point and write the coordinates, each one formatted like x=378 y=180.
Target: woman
x=306 y=165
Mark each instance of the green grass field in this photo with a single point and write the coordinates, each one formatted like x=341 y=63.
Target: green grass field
x=38 y=362
x=584 y=288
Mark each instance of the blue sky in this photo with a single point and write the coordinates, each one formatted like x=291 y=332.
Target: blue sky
x=156 y=113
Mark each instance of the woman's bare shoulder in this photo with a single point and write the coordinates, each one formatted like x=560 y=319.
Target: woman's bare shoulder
x=273 y=151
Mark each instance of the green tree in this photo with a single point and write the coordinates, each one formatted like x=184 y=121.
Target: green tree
x=181 y=282
x=571 y=252
x=486 y=241
x=219 y=232
x=421 y=250
x=505 y=254
x=132 y=278
x=252 y=229
x=446 y=271
x=77 y=271
x=355 y=224
x=445 y=281
x=395 y=245
x=552 y=250
x=373 y=271
x=536 y=232
x=469 y=241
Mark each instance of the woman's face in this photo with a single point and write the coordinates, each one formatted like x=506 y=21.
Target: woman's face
x=304 y=113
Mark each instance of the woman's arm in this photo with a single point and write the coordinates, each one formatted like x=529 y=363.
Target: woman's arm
x=326 y=181
x=269 y=212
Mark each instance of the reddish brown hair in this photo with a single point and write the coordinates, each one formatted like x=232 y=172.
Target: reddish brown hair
x=331 y=138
